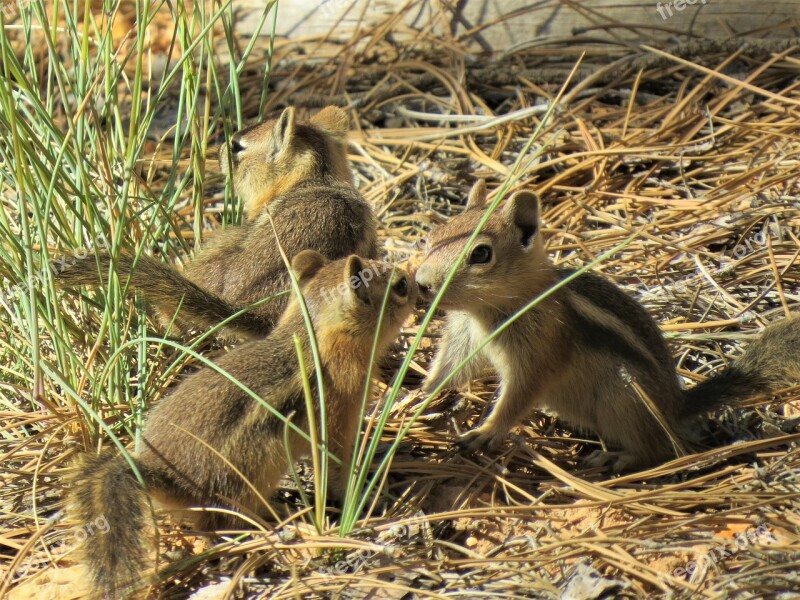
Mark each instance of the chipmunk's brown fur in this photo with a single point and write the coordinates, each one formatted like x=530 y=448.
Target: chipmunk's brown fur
x=583 y=351
x=298 y=175
x=206 y=440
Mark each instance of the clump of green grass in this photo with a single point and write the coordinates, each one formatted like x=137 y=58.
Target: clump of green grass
x=78 y=125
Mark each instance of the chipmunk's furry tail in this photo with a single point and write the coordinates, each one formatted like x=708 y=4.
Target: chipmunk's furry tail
x=168 y=290
x=769 y=363
x=113 y=517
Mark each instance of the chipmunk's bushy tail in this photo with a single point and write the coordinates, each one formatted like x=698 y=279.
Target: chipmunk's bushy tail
x=113 y=520
x=769 y=363
x=167 y=289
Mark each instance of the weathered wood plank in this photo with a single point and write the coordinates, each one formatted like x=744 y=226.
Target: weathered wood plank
x=505 y=24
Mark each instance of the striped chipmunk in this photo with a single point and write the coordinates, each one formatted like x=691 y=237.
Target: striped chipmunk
x=211 y=444
x=297 y=174
x=588 y=351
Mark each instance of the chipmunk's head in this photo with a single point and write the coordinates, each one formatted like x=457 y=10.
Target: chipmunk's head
x=271 y=158
x=347 y=295
x=503 y=265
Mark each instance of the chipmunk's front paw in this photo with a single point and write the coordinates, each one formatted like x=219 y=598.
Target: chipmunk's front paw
x=481 y=438
x=337 y=487
x=618 y=462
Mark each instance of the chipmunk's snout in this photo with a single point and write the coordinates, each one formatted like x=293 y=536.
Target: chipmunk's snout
x=426 y=281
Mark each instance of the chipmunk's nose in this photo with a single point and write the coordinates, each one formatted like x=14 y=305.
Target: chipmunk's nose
x=426 y=279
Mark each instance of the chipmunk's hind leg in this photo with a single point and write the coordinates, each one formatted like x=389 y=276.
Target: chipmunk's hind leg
x=619 y=461
x=628 y=424
x=260 y=459
x=601 y=401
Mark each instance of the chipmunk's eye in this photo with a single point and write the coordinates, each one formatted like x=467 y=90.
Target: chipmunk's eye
x=236 y=146
x=480 y=255
x=401 y=287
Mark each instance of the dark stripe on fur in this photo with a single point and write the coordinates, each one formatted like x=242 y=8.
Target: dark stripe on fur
x=604 y=339
x=606 y=296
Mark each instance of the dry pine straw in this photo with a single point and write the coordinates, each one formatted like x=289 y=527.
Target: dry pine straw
x=700 y=160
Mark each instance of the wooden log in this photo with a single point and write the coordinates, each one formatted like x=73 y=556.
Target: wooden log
x=498 y=26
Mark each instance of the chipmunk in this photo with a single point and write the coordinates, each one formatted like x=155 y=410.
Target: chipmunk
x=208 y=438
x=583 y=351
x=297 y=175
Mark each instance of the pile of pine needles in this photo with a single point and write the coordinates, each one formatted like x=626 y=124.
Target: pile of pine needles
x=694 y=148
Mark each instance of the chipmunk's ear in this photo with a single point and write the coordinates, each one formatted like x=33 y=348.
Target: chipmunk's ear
x=332 y=120
x=355 y=279
x=306 y=264
x=522 y=210
x=477 y=195
x=284 y=129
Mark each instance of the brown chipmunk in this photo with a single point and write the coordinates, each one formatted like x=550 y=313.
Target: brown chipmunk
x=208 y=438
x=588 y=351
x=298 y=175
